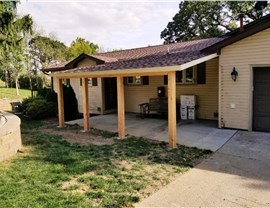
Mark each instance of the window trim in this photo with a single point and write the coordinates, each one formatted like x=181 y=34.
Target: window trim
x=184 y=76
x=134 y=81
x=91 y=83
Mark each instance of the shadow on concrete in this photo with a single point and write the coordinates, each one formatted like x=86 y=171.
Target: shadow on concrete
x=202 y=134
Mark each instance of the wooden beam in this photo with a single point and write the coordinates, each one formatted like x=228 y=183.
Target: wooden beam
x=85 y=97
x=121 y=107
x=108 y=74
x=172 y=110
x=60 y=99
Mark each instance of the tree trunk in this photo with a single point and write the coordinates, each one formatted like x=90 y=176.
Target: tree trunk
x=6 y=79
x=17 y=86
x=31 y=86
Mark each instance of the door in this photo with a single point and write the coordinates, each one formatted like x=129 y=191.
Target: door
x=110 y=92
x=261 y=99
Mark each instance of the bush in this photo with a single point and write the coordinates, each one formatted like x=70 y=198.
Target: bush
x=40 y=108
x=48 y=94
x=48 y=98
x=26 y=102
x=70 y=103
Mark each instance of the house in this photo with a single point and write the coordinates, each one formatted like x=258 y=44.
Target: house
x=230 y=76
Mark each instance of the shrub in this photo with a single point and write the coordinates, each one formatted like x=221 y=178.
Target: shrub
x=40 y=108
x=70 y=103
x=48 y=94
x=26 y=102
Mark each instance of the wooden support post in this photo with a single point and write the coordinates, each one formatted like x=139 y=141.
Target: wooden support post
x=172 y=109
x=60 y=99
x=85 y=97
x=121 y=107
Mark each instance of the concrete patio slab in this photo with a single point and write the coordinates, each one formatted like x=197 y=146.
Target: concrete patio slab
x=237 y=175
x=199 y=133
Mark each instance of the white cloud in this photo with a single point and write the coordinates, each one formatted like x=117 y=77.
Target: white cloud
x=109 y=24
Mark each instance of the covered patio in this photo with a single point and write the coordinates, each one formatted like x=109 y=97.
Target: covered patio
x=203 y=134
x=158 y=62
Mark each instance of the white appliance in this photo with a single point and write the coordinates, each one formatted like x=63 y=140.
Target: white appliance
x=188 y=103
x=183 y=111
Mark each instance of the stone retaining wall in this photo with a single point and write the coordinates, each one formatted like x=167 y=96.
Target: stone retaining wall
x=10 y=135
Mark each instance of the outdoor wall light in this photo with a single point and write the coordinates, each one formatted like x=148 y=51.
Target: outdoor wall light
x=234 y=74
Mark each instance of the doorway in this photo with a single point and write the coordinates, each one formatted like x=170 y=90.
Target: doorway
x=110 y=93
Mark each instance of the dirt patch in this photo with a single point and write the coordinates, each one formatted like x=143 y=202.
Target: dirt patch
x=123 y=164
x=80 y=137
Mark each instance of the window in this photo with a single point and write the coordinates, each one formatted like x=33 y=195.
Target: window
x=92 y=82
x=186 y=76
x=137 y=80
x=67 y=82
x=192 y=75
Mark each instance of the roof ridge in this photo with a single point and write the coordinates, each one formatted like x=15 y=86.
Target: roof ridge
x=153 y=46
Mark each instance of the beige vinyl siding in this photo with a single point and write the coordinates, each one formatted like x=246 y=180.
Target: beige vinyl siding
x=95 y=97
x=95 y=92
x=86 y=62
x=207 y=94
x=243 y=55
x=136 y=94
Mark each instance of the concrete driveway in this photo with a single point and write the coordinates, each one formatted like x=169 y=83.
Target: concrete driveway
x=237 y=175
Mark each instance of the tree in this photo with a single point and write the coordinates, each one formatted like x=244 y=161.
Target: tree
x=12 y=32
x=204 y=19
x=46 y=51
x=80 y=46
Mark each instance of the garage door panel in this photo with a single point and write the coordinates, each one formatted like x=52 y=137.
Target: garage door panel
x=262 y=124
x=261 y=99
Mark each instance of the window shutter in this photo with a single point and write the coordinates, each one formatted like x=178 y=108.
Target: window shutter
x=201 y=73
x=145 y=80
x=165 y=79
x=80 y=82
x=94 y=82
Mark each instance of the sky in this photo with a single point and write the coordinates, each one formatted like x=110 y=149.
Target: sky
x=111 y=24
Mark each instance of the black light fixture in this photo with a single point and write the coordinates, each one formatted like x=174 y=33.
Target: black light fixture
x=234 y=74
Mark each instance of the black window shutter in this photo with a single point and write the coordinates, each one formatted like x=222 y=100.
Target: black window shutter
x=165 y=79
x=201 y=73
x=80 y=82
x=145 y=80
x=94 y=82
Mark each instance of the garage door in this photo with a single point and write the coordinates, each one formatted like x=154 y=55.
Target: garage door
x=261 y=99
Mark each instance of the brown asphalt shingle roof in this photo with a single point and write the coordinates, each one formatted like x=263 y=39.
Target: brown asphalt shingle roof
x=153 y=56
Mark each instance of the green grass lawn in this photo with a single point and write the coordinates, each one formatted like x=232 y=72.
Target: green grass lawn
x=52 y=172
x=10 y=93
x=2 y=84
